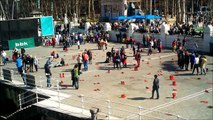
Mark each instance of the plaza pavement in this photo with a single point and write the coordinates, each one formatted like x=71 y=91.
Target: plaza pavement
x=192 y=102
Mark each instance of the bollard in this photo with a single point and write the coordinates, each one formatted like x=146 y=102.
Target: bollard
x=123 y=83
x=171 y=77
x=174 y=93
x=174 y=83
x=123 y=95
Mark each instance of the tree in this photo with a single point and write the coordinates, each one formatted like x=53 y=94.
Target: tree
x=183 y=16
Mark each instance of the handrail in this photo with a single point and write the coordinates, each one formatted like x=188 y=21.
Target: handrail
x=110 y=109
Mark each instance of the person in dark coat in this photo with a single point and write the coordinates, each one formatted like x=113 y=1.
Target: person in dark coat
x=155 y=87
x=186 y=60
x=48 y=74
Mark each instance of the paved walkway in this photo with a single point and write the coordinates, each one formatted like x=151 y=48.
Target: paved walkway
x=191 y=102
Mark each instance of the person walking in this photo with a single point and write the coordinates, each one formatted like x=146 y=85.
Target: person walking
x=31 y=62
x=196 y=64
x=75 y=77
x=203 y=65
x=192 y=60
x=79 y=61
x=19 y=64
x=4 y=57
x=117 y=61
x=186 y=60
x=85 y=60
x=36 y=63
x=89 y=53
x=48 y=74
x=138 y=58
x=155 y=87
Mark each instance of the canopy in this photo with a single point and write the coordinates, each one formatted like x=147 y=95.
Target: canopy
x=120 y=18
x=149 y=17
x=137 y=17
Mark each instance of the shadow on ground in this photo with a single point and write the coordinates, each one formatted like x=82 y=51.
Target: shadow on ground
x=138 y=98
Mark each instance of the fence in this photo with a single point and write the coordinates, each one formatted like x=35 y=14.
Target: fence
x=108 y=109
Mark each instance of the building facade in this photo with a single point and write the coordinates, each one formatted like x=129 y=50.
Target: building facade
x=112 y=8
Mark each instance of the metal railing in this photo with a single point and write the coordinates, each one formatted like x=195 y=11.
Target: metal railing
x=108 y=108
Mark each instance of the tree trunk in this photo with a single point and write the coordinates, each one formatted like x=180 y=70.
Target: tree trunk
x=183 y=11
x=93 y=9
x=173 y=8
x=179 y=12
x=147 y=5
x=89 y=10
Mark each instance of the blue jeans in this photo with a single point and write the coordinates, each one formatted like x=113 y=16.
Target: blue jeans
x=85 y=65
x=48 y=80
x=4 y=60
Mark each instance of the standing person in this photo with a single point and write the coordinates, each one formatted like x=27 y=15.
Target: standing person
x=85 y=60
x=184 y=41
x=19 y=64
x=195 y=47
x=117 y=61
x=144 y=40
x=79 y=61
x=127 y=42
x=186 y=60
x=4 y=57
x=53 y=41
x=203 y=65
x=154 y=43
x=138 y=58
x=174 y=45
x=155 y=87
x=36 y=63
x=134 y=50
x=31 y=62
x=132 y=41
x=23 y=75
x=192 y=60
x=48 y=74
x=78 y=43
x=196 y=64
x=159 y=45
x=149 y=48
x=89 y=53
x=181 y=58
x=75 y=77
x=124 y=59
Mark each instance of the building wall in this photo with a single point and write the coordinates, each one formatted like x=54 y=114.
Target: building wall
x=112 y=8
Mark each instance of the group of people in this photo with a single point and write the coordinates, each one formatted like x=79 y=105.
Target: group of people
x=24 y=62
x=196 y=61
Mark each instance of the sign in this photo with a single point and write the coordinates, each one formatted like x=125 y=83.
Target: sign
x=21 y=43
x=47 y=26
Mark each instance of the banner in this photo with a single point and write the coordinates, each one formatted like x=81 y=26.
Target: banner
x=19 y=43
x=47 y=26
